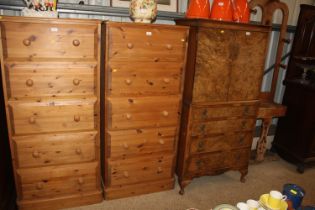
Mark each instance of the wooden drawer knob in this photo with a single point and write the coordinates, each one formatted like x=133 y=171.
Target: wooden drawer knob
x=76 y=118
x=128 y=116
x=80 y=180
x=242 y=139
x=128 y=81
x=39 y=185
x=125 y=145
x=169 y=46
x=159 y=170
x=76 y=82
x=243 y=124
x=166 y=80
x=32 y=120
x=130 y=45
x=161 y=141
x=183 y=40
x=29 y=83
x=76 y=43
x=78 y=151
x=126 y=174
x=35 y=154
x=165 y=113
x=246 y=110
x=27 y=42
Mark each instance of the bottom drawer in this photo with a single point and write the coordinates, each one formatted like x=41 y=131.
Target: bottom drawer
x=140 y=169
x=204 y=163
x=55 y=181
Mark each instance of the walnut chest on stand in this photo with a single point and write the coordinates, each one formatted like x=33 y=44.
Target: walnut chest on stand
x=221 y=97
x=144 y=71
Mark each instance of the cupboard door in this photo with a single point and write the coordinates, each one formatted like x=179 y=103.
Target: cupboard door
x=247 y=65
x=212 y=66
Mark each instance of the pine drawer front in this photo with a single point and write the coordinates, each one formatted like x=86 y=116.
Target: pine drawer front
x=40 y=117
x=142 y=112
x=217 y=112
x=54 y=149
x=57 y=181
x=35 y=41
x=222 y=126
x=130 y=171
x=143 y=43
x=144 y=78
x=221 y=142
x=51 y=80
x=130 y=143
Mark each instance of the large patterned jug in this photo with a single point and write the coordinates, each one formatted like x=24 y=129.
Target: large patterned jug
x=222 y=10
x=240 y=11
x=198 y=9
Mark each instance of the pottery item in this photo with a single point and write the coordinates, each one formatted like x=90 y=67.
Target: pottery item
x=242 y=206
x=198 y=9
x=143 y=11
x=222 y=10
x=294 y=193
x=263 y=201
x=275 y=198
x=240 y=11
x=252 y=204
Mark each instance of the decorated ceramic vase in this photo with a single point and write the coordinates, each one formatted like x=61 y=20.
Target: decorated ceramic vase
x=143 y=11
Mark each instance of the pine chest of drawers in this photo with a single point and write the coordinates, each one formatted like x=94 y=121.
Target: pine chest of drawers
x=144 y=71
x=222 y=87
x=50 y=71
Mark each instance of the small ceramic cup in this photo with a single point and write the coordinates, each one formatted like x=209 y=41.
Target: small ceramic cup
x=275 y=198
x=252 y=204
x=242 y=206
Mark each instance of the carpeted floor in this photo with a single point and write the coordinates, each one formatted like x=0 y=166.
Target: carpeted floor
x=207 y=192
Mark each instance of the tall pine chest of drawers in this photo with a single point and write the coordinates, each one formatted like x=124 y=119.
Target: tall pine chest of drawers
x=50 y=71
x=144 y=71
x=221 y=97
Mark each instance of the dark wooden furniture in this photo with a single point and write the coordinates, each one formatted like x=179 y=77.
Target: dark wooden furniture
x=7 y=188
x=50 y=72
x=221 y=97
x=295 y=136
x=144 y=73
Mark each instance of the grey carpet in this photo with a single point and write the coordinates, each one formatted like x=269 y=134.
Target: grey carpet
x=207 y=192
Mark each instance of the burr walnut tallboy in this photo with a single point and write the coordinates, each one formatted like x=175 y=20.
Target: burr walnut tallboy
x=222 y=87
x=50 y=71
x=144 y=71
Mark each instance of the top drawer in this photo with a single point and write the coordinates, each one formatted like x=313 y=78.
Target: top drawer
x=38 y=40
x=146 y=43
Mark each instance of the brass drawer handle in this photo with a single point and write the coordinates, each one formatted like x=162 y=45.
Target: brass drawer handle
x=39 y=185
x=166 y=80
x=201 y=145
x=244 y=124
x=128 y=81
x=128 y=116
x=78 y=151
x=80 y=180
x=76 y=43
x=183 y=40
x=165 y=113
x=76 y=118
x=29 y=82
x=126 y=174
x=161 y=141
x=27 y=42
x=246 y=110
x=125 y=145
x=32 y=120
x=242 y=140
x=76 y=82
x=169 y=46
x=159 y=170
x=35 y=154
x=130 y=45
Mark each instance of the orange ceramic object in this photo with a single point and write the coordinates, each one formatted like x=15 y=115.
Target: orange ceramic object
x=241 y=11
x=222 y=10
x=198 y=9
